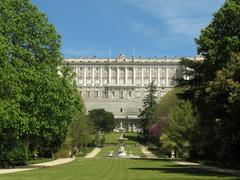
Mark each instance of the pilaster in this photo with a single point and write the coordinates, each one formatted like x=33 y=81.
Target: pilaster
x=84 y=76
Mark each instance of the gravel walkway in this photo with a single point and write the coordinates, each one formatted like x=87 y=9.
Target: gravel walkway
x=36 y=166
x=93 y=153
x=147 y=153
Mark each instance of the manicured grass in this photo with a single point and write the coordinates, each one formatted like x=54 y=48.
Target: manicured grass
x=107 y=149
x=117 y=169
x=111 y=138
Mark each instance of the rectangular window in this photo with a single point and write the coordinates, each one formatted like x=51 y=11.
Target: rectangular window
x=88 y=94
x=113 y=94
x=121 y=94
x=104 y=94
x=129 y=94
x=96 y=94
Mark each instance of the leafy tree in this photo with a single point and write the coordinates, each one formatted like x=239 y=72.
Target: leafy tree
x=38 y=105
x=179 y=133
x=224 y=97
x=217 y=42
x=148 y=115
x=102 y=120
x=81 y=132
x=164 y=107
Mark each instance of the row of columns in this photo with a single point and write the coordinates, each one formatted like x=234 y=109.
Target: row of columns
x=125 y=76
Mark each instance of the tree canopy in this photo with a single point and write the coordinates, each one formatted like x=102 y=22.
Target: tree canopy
x=213 y=85
x=148 y=114
x=37 y=105
x=102 y=120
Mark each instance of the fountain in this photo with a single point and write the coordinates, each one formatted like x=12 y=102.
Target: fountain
x=121 y=152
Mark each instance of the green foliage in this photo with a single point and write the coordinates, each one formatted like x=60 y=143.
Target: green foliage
x=66 y=148
x=37 y=105
x=148 y=114
x=81 y=132
x=99 y=139
x=213 y=87
x=102 y=120
x=181 y=126
x=224 y=96
x=164 y=107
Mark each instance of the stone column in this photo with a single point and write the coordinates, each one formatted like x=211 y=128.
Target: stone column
x=158 y=76
x=142 y=83
x=101 y=78
x=126 y=75
x=134 y=75
x=166 y=76
x=109 y=75
x=92 y=76
x=84 y=76
x=117 y=75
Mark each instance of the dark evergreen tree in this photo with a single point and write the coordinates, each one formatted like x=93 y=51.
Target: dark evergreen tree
x=148 y=114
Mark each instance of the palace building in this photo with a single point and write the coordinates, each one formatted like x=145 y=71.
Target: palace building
x=119 y=84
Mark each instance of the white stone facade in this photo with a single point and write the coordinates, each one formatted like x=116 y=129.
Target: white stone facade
x=119 y=84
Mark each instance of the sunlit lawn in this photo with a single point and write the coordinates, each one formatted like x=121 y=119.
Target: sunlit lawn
x=107 y=149
x=111 y=138
x=116 y=169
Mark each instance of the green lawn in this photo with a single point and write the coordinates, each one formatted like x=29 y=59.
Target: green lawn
x=116 y=169
x=107 y=149
x=111 y=138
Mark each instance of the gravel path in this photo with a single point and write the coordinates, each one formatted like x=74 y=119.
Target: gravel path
x=147 y=153
x=54 y=163
x=36 y=166
x=93 y=153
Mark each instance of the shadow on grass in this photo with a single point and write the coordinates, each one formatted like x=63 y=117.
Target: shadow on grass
x=184 y=170
x=152 y=159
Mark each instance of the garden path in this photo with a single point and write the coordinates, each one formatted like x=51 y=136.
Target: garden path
x=93 y=153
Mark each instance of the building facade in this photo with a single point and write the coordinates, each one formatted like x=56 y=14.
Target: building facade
x=119 y=84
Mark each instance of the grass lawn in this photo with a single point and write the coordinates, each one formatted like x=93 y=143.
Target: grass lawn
x=107 y=149
x=111 y=138
x=116 y=169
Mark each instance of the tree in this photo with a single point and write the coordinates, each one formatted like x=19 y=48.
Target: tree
x=81 y=132
x=224 y=97
x=102 y=120
x=38 y=105
x=148 y=114
x=217 y=42
x=178 y=135
x=167 y=102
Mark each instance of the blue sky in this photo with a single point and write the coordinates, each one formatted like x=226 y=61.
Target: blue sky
x=153 y=27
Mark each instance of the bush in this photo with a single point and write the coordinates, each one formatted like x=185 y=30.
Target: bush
x=14 y=154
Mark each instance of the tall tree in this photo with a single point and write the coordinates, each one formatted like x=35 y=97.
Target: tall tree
x=179 y=133
x=102 y=120
x=148 y=114
x=37 y=105
x=217 y=42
